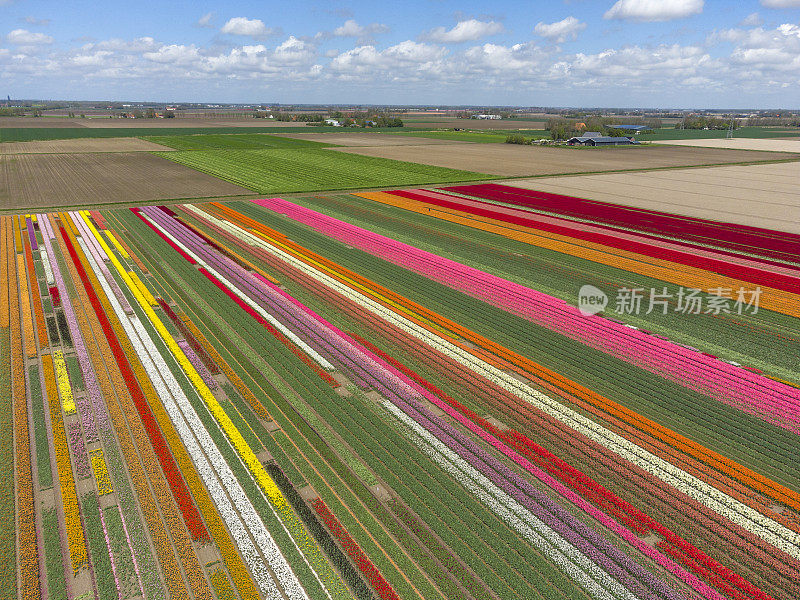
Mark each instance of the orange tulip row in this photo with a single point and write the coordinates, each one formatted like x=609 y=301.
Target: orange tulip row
x=26 y=511
x=69 y=497
x=37 y=299
x=221 y=537
x=692 y=277
x=427 y=318
x=173 y=577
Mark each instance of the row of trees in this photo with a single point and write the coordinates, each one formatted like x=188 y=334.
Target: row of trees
x=702 y=122
x=789 y=121
x=563 y=129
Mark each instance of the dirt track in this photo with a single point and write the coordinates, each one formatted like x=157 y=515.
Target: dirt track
x=82 y=145
x=512 y=160
x=758 y=195
x=29 y=181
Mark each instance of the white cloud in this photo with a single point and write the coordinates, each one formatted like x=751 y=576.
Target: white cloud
x=406 y=59
x=653 y=10
x=35 y=21
x=781 y=3
x=560 y=31
x=352 y=29
x=205 y=21
x=464 y=31
x=752 y=20
x=23 y=37
x=254 y=28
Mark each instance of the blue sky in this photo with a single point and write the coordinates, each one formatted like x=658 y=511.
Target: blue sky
x=652 y=53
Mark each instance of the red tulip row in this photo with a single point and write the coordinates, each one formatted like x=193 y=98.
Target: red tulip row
x=324 y=375
x=179 y=491
x=354 y=551
x=190 y=338
x=720 y=576
x=742 y=238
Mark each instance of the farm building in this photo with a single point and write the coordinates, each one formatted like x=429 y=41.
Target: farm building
x=600 y=140
x=489 y=117
x=636 y=128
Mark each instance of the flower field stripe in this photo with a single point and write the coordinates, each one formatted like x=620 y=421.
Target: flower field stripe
x=768 y=399
x=180 y=493
x=623 y=242
x=26 y=536
x=142 y=288
x=469 y=420
x=102 y=479
x=277 y=562
x=762 y=526
x=771 y=298
x=25 y=305
x=113 y=239
x=264 y=314
x=743 y=237
x=7 y=252
x=134 y=330
x=75 y=537
x=114 y=337
x=64 y=387
x=747 y=476
x=339 y=333
x=37 y=299
x=552 y=552
x=249 y=459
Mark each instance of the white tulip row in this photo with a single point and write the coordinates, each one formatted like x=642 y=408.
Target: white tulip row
x=48 y=270
x=571 y=560
x=277 y=324
x=739 y=513
x=267 y=499
x=235 y=508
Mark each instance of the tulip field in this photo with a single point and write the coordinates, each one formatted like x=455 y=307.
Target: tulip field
x=395 y=395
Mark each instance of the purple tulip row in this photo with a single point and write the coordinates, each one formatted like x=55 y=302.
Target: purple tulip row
x=771 y=400
x=368 y=373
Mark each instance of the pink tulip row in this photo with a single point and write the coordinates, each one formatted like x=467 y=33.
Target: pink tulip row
x=772 y=401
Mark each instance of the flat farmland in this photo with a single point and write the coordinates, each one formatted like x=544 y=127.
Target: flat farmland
x=81 y=146
x=514 y=161
x=756 y=195
x=33 y=180
x=365 y=139
x=475 y=123
x=764 y=144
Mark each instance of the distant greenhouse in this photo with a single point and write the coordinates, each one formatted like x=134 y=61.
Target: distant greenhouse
x=602 y=140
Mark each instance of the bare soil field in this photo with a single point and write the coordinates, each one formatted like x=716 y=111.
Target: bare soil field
x=29 y=181
x=81 y=146
x=518 y=161
x=768 y=144
x=367 y=139
x=757 y=195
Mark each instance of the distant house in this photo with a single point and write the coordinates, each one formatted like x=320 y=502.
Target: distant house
x=333 y=122
x=601 y=140
x=490 y=117
x=580 y=125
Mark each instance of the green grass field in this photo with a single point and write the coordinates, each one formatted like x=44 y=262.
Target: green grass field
x=304 y=170
x=228 y=141
x=483 y=137
x=699 y=134
x=13 y=134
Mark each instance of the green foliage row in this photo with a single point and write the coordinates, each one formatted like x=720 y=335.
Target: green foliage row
x=43 y=467
x=231 y=141
x=281 y=171
x=8 y=530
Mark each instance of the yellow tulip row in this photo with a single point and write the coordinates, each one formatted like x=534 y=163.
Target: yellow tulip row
x=69 y=497
x=104 y=485
x=233 y=562
x=64 y=387
x=298 y=531
x=120 y=248
x=139 y=284
x=26 y=517
x=143 y=474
